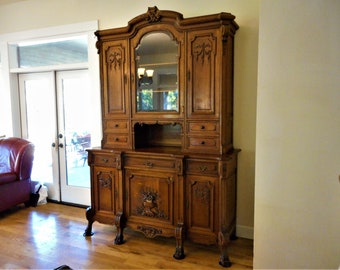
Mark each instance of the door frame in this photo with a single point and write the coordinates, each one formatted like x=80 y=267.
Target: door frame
x=10 y=73
x=58 y=189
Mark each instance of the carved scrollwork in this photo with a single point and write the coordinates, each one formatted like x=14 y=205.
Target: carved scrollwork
x=105 y=183
x=202 y=192
x=149 y=232
x=202 y=51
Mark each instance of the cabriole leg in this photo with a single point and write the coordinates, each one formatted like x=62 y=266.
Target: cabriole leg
x=223 y=240
x=120 y=225
x=89 y=217
x=179 y=253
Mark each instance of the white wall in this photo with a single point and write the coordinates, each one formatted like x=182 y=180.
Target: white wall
x=21 y=15
x=297 y=190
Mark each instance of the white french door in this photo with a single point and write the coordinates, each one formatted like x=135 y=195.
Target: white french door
x=55 y=117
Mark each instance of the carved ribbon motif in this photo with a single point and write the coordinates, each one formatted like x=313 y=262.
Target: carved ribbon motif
x=202 y=51
x=114 y=59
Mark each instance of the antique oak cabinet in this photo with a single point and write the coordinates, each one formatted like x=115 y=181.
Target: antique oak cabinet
x=167 y=165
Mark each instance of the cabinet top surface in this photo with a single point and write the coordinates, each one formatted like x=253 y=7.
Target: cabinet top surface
x=154 y=15
x=163 y=151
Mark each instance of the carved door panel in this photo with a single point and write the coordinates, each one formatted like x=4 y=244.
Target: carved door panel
x=105 y=190
x=114 y=67
x=202 y=204
x=150 y=200
x=203 y=52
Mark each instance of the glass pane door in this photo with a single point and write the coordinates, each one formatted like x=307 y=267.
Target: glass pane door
x=38 y=114
x=56 y=118
x=74 y=101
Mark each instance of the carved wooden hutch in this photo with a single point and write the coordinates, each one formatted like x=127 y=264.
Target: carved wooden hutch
x=167 y=166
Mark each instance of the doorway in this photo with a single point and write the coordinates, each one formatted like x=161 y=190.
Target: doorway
x=55 y=115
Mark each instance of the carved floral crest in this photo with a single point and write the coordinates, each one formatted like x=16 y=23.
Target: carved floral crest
x=153 y=14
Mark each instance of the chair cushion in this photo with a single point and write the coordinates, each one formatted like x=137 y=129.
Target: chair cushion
x=6 y=178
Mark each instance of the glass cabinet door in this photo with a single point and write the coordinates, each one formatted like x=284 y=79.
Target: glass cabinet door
x=157 y=73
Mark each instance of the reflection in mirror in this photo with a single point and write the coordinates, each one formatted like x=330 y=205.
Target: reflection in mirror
x=156 y=64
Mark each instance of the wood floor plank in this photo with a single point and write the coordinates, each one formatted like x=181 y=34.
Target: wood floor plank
x=51 y=235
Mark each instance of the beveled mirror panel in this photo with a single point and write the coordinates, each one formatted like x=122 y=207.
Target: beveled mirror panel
x=157 y=73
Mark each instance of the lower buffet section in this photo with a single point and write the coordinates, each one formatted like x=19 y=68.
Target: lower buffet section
x=185 y=197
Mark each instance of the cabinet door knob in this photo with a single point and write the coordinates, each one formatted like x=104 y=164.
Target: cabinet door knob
x=116 y=139
x=202 y=142
x=202 y=127
x=148 y=164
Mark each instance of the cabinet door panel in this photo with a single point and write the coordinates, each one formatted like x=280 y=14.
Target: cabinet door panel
x=202 y=203
x=150 y=196
x=203 y=73
x=114 y=61
x=105 y=189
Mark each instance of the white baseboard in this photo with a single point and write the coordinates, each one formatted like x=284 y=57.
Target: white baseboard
x=245 y=232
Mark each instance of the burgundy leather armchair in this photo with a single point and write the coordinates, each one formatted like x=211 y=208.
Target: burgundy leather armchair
x=16 y=161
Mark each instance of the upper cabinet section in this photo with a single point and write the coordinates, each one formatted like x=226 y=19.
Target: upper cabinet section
x=163 y=76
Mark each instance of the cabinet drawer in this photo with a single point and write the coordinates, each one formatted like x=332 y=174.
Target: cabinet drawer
x=203 y=127
x=162 y=164
x=117 y=141
x=106 y=160
x=116 y=126
x=201 y=167
x=203 y=143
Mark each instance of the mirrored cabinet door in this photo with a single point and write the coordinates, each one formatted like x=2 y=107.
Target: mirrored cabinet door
x=156 y=64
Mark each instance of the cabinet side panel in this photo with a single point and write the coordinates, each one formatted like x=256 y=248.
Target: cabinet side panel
x=227 y=94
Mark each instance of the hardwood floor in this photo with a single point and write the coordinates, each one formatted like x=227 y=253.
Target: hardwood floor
x=51 y=235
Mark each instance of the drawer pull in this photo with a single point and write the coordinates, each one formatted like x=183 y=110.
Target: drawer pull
x=116 y=125
x=202 y=127
x=203 y=168
x=116 y=139
x=148 y=164
x=105 y=160
x=202 y=142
